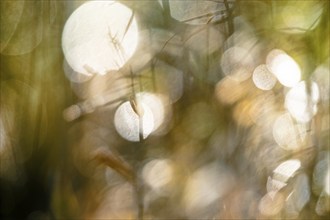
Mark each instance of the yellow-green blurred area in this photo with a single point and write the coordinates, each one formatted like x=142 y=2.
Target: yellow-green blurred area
x=164 y=109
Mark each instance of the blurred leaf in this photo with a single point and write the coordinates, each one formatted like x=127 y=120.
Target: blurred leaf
x=108 y=158
x=299 y=197
x=319 y=175
x=53 y=11
x=297 y=16
x=323 y=204
x=28 y=33
x=10 y=15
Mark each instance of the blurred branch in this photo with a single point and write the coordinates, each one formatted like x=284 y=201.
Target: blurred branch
x=105 y=156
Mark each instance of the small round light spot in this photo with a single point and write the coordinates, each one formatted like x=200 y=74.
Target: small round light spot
x=283 y=67
x=263 y=78
x=99 y=36
x=130 y=125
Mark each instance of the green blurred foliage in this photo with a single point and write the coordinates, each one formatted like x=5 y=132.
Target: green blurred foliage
x=218 y=130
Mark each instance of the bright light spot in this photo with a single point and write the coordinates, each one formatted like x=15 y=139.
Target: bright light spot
x=154 y=114
x=128 y=123
x=155 y=103
x=157 y=173
x=287 y=134
x=274 y=185
x=206 y=185
x=286 y=170
x=327 y=182
x=271 y=203
x=237 y=63
x=283 y=67
x=263 y=78
x=99 y=36
x=301 y=104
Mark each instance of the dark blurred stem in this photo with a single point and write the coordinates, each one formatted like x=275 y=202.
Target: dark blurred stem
x=139 y=152
x=139 y=194
x=153 y=75
x=139 y=180
x=152 y=66
x=132 y=82
x=230 y=18
x=167 y=11
x=207 y=53
x=272 y=3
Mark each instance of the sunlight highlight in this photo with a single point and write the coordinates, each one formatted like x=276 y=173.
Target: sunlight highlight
x=283 y=67
x=156 y=103
x=128 y=123
x=301 y=103
x=286 y=170
x=153 y=115
x=99 y=36
x=263 y=78
x=274 y=185
x=327 y=183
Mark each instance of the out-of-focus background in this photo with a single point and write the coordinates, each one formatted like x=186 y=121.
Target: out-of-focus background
x=164 y=109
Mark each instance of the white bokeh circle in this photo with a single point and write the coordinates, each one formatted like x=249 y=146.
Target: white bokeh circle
x=128 y=123
x=99 y=36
